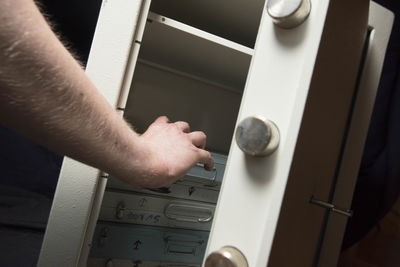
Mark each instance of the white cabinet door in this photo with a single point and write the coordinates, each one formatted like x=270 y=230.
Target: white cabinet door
x=303 y=79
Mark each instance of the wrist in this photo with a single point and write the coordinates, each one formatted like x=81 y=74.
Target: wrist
x=132 y=160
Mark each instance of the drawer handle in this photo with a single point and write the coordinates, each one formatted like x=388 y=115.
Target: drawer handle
x=120 y=211
x=186 y=245
x=188 y=213
x=198 y=171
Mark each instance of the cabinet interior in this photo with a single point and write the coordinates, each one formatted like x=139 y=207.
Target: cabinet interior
x=188 y=75
x=189 y=69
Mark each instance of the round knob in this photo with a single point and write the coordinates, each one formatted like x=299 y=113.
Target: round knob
x=288 y=13
x=257 y=136
x=226 y=257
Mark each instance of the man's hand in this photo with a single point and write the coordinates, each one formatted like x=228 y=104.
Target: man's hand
x=169 y=150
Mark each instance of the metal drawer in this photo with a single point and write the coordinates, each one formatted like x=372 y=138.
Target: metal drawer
x=157 y=211
x=181 y=189
x=200 y=176
x=99 y=262
x=198 y=184
x=148 y=243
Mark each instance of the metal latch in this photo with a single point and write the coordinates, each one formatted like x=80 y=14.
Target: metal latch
x=331 y=207
x=103 y=236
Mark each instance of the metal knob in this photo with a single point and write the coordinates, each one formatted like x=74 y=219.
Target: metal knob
x=257 y=136
x=288 y=13
x=226 y=257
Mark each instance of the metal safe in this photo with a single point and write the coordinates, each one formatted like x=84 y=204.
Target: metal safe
x=284 y=90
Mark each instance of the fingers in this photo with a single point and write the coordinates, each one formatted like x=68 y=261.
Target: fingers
x=161 y=119
x=198 y=139
x=183 y=126
x=206 y=159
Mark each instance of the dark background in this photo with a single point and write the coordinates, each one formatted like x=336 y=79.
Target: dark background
x=378 y=184
x=34 y=170
x=29 y=172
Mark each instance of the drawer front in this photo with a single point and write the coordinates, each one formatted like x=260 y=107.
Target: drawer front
x=181 y=189
x=150 y=210
x=100 y=262
x=148 y=243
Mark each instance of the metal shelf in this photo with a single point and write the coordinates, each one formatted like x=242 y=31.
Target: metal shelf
x=235 y=20
x=184 y=48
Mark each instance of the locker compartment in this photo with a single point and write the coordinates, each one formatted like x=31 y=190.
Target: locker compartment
x=157 y=211
x=173 y=44
x=189 y=75
x=148 y=243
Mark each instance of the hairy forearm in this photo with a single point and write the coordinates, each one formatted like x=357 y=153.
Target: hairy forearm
x=45 y=94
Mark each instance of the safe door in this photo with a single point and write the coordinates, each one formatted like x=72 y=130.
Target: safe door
x=272 y=83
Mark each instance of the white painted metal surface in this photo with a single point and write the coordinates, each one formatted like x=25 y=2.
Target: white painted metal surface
x=73 y=200
x=277 y=86
x=199 y=33
x=125 y=77
x=380 y=23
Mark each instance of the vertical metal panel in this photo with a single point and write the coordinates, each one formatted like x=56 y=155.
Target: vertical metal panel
x=277 y=87
x=76 y=189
